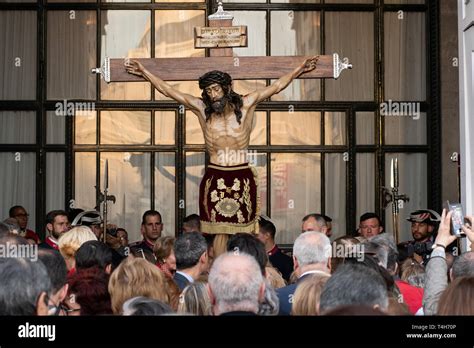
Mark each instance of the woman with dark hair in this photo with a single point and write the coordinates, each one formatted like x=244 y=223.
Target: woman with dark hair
x=88 y=293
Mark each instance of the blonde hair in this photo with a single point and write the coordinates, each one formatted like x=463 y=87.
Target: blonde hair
x=72 y=240
x=163 y=247
x=307 y=295
x=274 y=277
x=195 y=300
x=136 y=277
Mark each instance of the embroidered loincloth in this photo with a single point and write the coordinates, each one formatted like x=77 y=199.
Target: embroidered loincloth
x=228 y=200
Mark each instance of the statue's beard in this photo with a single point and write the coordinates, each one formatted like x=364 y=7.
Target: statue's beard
x=218 y=106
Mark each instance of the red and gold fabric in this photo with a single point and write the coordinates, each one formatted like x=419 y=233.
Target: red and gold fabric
x=228 y=200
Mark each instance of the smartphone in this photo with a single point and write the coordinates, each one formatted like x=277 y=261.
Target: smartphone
x=457 y=219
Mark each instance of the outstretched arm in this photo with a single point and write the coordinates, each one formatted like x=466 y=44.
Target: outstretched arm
x=280 y=84
x=189 y=101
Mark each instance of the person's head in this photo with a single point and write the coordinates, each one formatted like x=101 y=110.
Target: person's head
x=307 y=294
x=463 y=265
x=345 y=247
x=122 y=236
x=370 y=225
x=314 y=223
x=144 y=306
x=458 y=298
x=249 y=244
x=88 y=293
x=152 y=225
x=4 y=229
x=57 y=271
x=71 y=241
x=217 y=93
x=423 y=224
x=195 y=300
x=164 y=252
x=25 y=287
x=57 y=223
x=91 y=219
x=328 y=225
x=192 y=223
x=20 y=214
x=266 y=231
x=94 y=254
x=386 y=241
x=12 y=225
x=354 y=284
x=136 y=277
x=355 y=310
x=311 y=249
x=413 y=273
x=235 y=283
x=190 y=250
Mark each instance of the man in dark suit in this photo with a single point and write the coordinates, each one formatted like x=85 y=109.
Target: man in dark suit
x=311 y=255
x=190 y=250
x=280 y=261
x=236 y=285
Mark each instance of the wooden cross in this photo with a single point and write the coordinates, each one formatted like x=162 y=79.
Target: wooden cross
x=220 y=37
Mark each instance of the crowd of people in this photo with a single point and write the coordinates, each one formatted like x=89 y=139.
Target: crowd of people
x=76 y=271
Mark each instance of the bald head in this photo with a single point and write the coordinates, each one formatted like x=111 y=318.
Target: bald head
x=235 y=283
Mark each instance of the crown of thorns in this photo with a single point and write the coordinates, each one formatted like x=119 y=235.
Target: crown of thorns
x=214 y=76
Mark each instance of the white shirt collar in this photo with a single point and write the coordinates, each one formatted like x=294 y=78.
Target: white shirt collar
x=313 y=272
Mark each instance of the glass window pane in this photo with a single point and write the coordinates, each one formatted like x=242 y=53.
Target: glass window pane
x=365 y=182
x=298 y=1
x=405 y=56
x=404 y=130
x=18 y=1
x=55 y=128
x=165 y=127
x=188 y=87
x=351 y=35
x=295 y=128
x=68 y=1
x=193 y=129
x=295 y=191
x=84 y=180
x=85 y=128
x=413 y=182
x=365 y=128
x=244 y=87
x=165 y=182
x=256 y=31
x=125 y=127
x=71 y=51
x=18 y=59
x=194 y=173
x=349 y=1
x=335 y=128
x=129 y=182
x=259 y=129
x=296 y=33
x=17 y=127
x=125 y=0
x=180 y=0
x=127 y=34
x=335 y=177
x=55 y=181
x=18 y=176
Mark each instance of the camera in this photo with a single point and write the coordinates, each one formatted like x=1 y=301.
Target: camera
x=112 y=231
x=408 y=249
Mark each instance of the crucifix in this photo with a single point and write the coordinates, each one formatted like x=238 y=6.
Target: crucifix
x=228 y=194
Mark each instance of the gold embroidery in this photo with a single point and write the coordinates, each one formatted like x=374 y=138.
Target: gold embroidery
x=206 y=192
x=236 y=195
x=228 y=190
x=222 y=194
x=246 y=196
x=240 y=217
x=213 y=215
x=236 y=186
x=227 y=207
x=214 y=197
x=221 y=184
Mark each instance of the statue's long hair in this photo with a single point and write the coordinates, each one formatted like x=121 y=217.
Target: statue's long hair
x=232 y=98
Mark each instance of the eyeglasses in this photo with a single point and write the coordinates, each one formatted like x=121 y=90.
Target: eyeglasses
x=68 y=310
